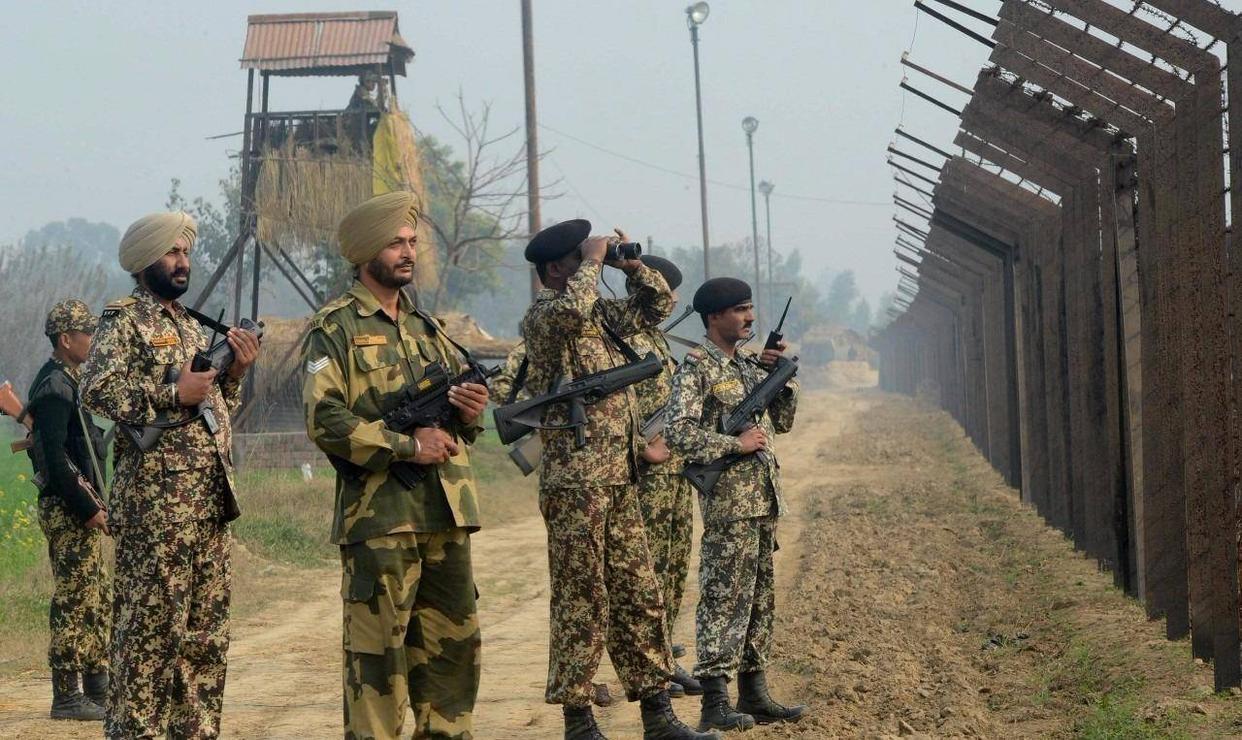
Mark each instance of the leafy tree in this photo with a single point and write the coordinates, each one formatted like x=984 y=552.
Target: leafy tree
x=839 y=304
x=861 y=320
x=93 y=241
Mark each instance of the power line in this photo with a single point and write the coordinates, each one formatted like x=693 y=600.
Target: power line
x=732 y=186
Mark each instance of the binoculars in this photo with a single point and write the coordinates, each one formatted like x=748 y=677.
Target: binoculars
x=623 y=251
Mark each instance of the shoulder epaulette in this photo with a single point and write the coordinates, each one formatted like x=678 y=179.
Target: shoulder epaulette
x=119 y=304
x=695 y=355
x=329 y=308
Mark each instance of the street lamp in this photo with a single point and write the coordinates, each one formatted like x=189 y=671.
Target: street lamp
x=749 y=125
x=766 y=188
x=695 y=15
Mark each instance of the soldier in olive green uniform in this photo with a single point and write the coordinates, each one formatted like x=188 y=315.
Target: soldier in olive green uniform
x=604 y=590
x=666 y=497
x=737 y=595
x=68 y=450
x=411 y=632
x=171 y=504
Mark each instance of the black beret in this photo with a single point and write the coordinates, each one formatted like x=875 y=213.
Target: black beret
x=557 y=241
x=671 y=274
x=720 y=293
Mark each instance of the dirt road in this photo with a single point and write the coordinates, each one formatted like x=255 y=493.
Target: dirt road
x=916 y=596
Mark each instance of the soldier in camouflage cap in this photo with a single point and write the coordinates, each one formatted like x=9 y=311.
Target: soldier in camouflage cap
x=67 y=457
x=737 y=594
x=68 y=316
x=171 y=503
x=411 y=631
x=603 y=591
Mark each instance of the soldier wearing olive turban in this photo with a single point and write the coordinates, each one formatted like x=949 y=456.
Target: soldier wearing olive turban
x=411 y=637
x=171 y=503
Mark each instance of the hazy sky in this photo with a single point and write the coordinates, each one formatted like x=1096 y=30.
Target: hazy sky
x=106 y=102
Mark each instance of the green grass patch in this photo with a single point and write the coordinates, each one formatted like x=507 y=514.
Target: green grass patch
x=286 y=518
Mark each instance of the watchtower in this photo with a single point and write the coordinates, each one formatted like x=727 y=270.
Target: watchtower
x=302 y=170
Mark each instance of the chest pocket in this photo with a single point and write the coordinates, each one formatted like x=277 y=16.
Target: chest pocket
x=729 y=392
x=165 y=358
x=590 y=354
x=381 y=360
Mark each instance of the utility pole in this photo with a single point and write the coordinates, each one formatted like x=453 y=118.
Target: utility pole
x=532 y=140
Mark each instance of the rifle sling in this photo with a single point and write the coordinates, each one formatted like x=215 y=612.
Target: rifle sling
x=519 y=380
x=435 y=329
x=207 y=321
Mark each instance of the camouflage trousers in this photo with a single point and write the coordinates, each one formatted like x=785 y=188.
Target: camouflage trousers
x=737 y=597
x=411 y=635
x=603 y=593
x=667 y=503
x=170 y=635
x=81 y=612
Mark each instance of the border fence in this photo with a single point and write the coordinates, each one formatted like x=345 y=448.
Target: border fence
x=1070 y=292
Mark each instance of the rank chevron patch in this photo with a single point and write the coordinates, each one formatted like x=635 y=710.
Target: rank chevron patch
x=314 y=366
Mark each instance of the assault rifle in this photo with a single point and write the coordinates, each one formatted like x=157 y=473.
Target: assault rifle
x=704 y=476
x=424 y=403
x=513 y=420
x=527 y=451
x=218 y=356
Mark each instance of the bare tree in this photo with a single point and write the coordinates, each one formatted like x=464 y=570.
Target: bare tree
x=32 y=281
x=476 y=203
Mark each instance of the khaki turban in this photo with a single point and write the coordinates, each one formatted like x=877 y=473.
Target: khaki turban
x=151 y=237
x=372 y=225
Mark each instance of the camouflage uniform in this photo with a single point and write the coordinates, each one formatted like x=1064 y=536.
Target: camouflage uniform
x=664 y=495
x=80 y=613
x=500 y=385
x=733 y=623
x=603 y=588
x=170 y=509
x=411 y=632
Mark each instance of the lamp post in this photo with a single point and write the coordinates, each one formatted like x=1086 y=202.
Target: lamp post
x=695 y=15
x=766 y=189
x=749 y=125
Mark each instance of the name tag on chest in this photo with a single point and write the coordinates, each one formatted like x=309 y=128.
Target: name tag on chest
x=370 y=340
x=165 y=340
x=732 y=385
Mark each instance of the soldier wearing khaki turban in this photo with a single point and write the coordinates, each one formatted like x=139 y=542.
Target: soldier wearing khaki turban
x=411 y=633
x=171 y=503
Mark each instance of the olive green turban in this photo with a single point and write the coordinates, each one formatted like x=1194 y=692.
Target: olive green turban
x=151 y=237
x=372 y=225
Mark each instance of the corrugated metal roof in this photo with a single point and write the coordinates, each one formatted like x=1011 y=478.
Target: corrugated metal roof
x=340 y=43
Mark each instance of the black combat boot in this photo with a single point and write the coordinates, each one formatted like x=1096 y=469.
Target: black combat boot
x=688 y=682
x=659 y=722
x=68 y=702
x=753 y=698
x=95 y=686
x=580 y=724
x=718 y=714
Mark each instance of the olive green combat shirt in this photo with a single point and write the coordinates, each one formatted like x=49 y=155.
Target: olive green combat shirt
x=356 y=361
